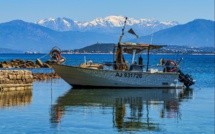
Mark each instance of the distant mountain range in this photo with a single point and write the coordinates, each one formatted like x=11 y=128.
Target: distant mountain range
x=110 y=24
x=195 y=33
x=25 y=36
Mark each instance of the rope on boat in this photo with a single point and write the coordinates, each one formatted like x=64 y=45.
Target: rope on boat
x=197 y=87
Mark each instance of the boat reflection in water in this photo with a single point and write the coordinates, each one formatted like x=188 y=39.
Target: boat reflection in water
x=130 y=107
x=15 y=98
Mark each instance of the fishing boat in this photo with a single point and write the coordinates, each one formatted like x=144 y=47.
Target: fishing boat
x=123 y=74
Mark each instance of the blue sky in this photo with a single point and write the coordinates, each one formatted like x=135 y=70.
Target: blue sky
x=85 y=10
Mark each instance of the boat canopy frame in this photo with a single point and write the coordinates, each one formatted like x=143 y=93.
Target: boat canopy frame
x=126 y=47
x=135 y=48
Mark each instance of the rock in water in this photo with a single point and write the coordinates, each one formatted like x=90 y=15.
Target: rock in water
x=39 y=62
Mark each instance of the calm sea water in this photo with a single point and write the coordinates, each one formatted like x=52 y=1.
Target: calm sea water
x=54 y=107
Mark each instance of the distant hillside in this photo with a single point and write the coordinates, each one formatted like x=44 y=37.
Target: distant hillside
x=97 y=48
x=6 y=50
x=195 y=33
x=108 y=47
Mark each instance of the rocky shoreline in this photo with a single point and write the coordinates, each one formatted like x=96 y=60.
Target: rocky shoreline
x=43 y=76
x=20 y=63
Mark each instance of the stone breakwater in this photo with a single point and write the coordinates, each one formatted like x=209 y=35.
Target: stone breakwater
x=15 y=80
x=21 y=79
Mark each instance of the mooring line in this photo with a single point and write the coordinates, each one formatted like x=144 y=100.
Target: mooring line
x=43 y=56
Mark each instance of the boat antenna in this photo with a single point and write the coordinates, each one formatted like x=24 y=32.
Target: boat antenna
x=120 y=38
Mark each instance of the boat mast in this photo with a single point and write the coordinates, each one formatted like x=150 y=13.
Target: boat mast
x=120 y=38
x=119 y=57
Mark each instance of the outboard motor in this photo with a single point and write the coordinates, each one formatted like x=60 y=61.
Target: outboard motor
x=172 y=66
x=186 y=79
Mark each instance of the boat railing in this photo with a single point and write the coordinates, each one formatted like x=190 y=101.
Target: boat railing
x=133 y=67
x=112 y=65
x=154 y=68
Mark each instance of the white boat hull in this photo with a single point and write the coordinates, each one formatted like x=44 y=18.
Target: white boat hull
x=77 y=77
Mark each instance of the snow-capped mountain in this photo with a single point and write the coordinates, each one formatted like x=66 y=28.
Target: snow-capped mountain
x=59 y=24
x=109 y=24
